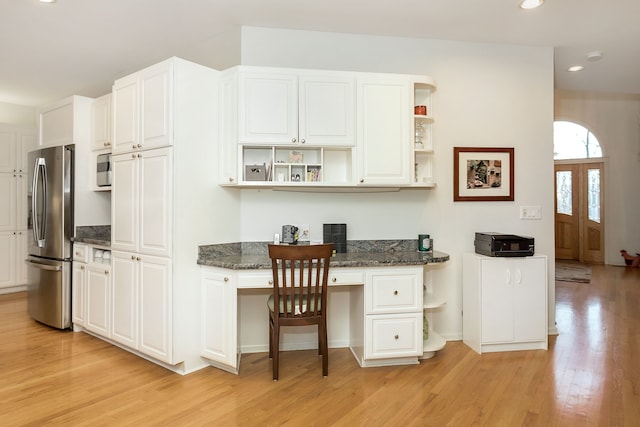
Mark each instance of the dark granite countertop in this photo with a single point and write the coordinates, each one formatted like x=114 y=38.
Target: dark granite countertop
x=93 y=234
x=360 y=253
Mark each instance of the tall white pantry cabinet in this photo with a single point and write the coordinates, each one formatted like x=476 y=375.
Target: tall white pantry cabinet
x=15 y=143
x=504 y=302
x=164 y=146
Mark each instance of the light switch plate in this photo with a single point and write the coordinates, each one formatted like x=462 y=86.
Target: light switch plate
x=530 y=212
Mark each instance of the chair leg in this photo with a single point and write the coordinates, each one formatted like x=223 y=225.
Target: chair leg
x=270 y=339
x=276 y=352
x=325 y=348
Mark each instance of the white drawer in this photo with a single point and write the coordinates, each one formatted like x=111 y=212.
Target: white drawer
x=339 y=276
x=389 y=336
x=393 y=292
x=255 y=279
x=263 y=278
x=80 y=252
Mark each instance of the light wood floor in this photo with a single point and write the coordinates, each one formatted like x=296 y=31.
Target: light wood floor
x=590 y=376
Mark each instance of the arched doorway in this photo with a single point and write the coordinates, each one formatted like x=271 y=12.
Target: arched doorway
x=579 y=190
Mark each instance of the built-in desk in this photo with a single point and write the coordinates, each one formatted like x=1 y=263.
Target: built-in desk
x=376 y=296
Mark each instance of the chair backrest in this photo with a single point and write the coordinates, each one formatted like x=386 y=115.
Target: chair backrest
x=300 y=276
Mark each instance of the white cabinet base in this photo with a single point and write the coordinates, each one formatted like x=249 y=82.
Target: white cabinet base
x=435 y=343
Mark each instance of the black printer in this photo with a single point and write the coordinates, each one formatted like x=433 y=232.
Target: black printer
x=503 y=245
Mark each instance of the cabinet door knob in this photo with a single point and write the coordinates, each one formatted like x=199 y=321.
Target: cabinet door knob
x=334 y=280
x=133 y=146
x=302 y=141
x=106 y=272
x=82 y=267
x=396 y=336
x=139 y=145
x=271 y=281
x=137 y=258
x=294 y=140
x=133 y=257
x=395 y=292
x=133 y=156
x=230 y=179
x=139 y=155
x=361 y=180
x=226 y=279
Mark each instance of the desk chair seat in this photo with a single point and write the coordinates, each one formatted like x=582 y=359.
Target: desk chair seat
x=300 y=276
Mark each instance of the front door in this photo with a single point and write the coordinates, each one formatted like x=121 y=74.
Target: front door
x=579 y=217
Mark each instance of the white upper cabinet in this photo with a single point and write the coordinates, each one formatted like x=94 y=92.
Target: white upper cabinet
x=101 y=123
x=65 y=122
x=384 y=123
x=141 y=202
x=278 y=107
x=142 y=109
x=326 y=109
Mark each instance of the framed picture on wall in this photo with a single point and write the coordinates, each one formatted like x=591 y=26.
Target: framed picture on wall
x=482 y=174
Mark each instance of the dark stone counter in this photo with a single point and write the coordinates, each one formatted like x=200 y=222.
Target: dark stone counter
x=360 y=253
x=93 y=234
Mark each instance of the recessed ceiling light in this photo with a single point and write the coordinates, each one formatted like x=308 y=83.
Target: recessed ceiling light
x=530 y=4
x=575 y=68
x=596 y=55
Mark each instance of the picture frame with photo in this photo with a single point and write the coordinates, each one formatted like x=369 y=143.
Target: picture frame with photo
x=483 y=174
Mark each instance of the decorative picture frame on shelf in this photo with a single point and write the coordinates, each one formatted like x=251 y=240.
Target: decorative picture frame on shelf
x=483 y=174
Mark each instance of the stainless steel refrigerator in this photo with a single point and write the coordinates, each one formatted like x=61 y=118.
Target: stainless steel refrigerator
x=50 y=223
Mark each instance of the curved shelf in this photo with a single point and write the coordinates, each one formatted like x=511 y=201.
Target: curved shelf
x=423 y=118
x=433 y=344
x=430 y=302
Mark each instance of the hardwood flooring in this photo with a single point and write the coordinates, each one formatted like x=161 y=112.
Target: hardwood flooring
x=589 y=377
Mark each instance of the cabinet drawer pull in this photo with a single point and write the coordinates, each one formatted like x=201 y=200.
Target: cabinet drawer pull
x=396 y=336
x=334 y=280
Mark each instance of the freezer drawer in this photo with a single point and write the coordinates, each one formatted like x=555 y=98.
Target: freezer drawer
x=49 y=291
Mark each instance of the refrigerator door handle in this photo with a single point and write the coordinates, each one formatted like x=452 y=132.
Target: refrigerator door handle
x=39 y=223
x=43 y=266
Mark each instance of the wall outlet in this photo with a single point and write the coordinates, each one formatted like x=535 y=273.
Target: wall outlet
x=530 y=212
x=303 y=233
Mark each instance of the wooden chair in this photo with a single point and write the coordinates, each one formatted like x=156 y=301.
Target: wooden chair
x=299 y=298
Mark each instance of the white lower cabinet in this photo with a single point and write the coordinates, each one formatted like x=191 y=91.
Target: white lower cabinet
x=98 y=291
x=504 y=303
x=78 y=294
x=142 y=304
x=386 y=317
x=219 y=340
x=7 y=258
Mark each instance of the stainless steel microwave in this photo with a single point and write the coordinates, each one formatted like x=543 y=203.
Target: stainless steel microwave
x=103 y=170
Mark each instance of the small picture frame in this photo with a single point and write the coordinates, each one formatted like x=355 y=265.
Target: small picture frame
x=295 y=156
x=483 y=174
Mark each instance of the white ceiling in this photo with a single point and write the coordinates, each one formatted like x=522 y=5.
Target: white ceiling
x=50 y=51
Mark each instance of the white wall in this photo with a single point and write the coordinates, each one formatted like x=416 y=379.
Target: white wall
x=18 y=115
x=488 y=95
x=615 y=121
